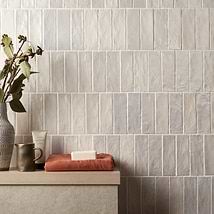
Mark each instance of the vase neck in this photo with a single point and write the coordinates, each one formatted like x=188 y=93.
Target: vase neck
x=3 y=110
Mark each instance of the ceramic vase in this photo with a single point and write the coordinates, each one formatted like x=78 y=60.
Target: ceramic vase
x=7 y=135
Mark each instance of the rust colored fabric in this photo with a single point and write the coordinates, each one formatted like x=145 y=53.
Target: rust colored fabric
x=63 y=162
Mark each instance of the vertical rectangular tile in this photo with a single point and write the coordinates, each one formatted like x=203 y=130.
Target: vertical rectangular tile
x=134 y=113
x=176 y=113
x=203 y=113
x=51 y=113
x=43 y=67
x=77 y=29
x=188 y=29
x=55 y=3
x=98 y=3
x=197 y=155
x=147 y=28
x=169 y=156
x=155 y=155
x=148 y=195
x=127 y=74
x=141 y=71
x=22 y=120
x=182 y=70
x=90 y=30
x=126 y=3
x=148 y=113
x=127 y=155
x=71 y=72
x=168 y=67
x=202 y=29
x=78 y=113
x=50 y=32
x=134 y=195
x=85 y=143
x=208 y=3
x=63 y=30
x=190 y=113
x=36 y=27
x=57 y=62
x=195 y=3
x=196 y=71
x=176 y=195
x=99 y=144
x=208 y=70
x=141 y=155
x=175 y=29
x=139 y=3
x=212 y=112
x=3 y=3
x=28 y=4
x=36 y=112
x=113 y=71
x=123 y=195
x=57 y=145
x=64 y=113
x=118 y=29
x=84 y=3
x=212 y=193
x=106 y=113
x=180 y=3
x=133 y=29
x=13 y=3
x=7 y=22
x=161 y=29
x=120 y=113
x=166 y=3
x=104 y=29
x=162 y=195
x=70 y=3
x=22 y=20
x=99 y=71
x=190 y=195
x=152 y=3
x=155 y=78
x=42 y=3
x=204 y=195
x=209 y=148
x=113 y=147
x=183 y=157
x=212 y=26
x=71 y=143
x=162 y=113
x=85 y=71
x=92 y=101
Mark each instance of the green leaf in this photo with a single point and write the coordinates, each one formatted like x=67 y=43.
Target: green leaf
x=18 y=95
x=8 y=46
x=1 y=95
x=8 y=52
x=25 y=68
x=17 y=84
x=17 y=106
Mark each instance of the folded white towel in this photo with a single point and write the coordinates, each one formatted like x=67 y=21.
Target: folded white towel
x=83 y=155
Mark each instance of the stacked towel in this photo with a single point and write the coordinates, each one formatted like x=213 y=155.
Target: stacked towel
x=64 y=162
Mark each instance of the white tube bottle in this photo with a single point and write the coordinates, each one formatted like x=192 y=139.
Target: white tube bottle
x=39 y=139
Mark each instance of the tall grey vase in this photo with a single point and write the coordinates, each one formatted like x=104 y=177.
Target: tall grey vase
x=7 y=135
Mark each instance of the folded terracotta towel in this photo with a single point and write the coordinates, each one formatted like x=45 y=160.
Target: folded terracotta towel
x=63 y=162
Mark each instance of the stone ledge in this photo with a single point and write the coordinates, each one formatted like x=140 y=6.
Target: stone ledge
x=60 y=178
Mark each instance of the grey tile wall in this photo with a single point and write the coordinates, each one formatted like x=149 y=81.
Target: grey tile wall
x=134 y=78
